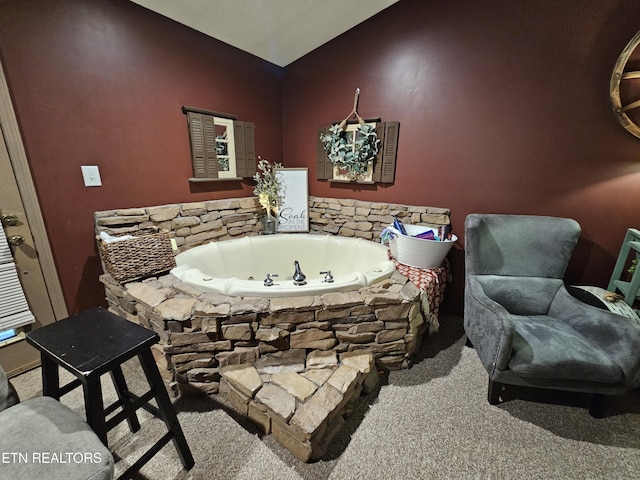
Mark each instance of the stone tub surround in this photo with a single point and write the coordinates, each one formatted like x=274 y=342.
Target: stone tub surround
x=196 y=223
x=301 y=399
x=295 y=366
x=200 y=332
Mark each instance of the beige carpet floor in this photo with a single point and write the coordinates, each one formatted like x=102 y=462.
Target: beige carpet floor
x=429 y=422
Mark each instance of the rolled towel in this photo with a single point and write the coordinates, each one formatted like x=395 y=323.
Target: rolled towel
x=106 y=238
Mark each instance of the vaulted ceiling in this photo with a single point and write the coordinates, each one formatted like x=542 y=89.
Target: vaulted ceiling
x=279 y=31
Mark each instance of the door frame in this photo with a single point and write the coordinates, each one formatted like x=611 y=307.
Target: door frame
x=20 y=164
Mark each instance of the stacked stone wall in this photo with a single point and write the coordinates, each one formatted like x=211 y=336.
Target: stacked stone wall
x=192 y=224
x=355 y=218
x=202 y=332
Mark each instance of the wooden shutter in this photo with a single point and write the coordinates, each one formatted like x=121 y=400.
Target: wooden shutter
x=245 y=148
x=384 y=168
x=211 y=159
x=203 y=145
x=324 y=167
x=241 y=153
x=390 y=151
x=196 y=137
x=377 y=163
x=250 y=148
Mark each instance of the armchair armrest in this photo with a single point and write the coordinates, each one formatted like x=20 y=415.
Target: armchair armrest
x=488 y=325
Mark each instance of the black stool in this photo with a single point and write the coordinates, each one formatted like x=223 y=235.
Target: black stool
x=93 y=343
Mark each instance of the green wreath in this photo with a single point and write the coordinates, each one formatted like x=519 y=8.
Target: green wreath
x=356 y=160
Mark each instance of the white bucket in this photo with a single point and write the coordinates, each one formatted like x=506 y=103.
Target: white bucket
x=419 y=252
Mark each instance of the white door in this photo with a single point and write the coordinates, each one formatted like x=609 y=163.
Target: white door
x=34 y=260
x=18 y=356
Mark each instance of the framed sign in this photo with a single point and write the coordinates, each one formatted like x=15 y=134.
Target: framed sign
x=294 y=211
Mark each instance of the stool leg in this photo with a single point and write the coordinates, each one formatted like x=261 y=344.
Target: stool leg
x=94 y=408
x=50 y=377
x=166 y=408
x=125 y=398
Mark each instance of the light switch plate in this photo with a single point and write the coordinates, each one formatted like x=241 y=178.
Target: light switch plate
x=91 y=176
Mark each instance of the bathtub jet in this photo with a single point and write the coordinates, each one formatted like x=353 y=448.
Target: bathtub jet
x=238 y=267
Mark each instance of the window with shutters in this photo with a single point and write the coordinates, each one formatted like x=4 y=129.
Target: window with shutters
x=384 y=165
x=222 y=148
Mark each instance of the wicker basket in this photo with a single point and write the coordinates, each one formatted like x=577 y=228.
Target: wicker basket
x=150 y=253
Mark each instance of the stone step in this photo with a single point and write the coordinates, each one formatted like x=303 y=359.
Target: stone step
x=304 y=411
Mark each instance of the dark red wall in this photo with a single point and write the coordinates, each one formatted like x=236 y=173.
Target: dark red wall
x=503 y=108
x=102 y=82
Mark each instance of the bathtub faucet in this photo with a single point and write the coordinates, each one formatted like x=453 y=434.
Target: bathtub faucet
x=268 y=282
x=299 y=278
x=328 y=278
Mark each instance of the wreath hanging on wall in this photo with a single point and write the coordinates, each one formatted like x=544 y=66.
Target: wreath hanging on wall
x=352 y=152
x=354 y=157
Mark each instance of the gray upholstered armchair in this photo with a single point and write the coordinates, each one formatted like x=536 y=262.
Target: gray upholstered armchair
x=42 y=439
x=526 y=328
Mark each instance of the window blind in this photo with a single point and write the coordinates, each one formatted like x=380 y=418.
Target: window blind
x=5 y=250
x=14 y=309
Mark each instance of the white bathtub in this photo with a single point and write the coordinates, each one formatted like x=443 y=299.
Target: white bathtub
x=239 y=267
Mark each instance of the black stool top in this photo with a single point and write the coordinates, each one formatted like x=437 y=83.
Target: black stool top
x=92 y=342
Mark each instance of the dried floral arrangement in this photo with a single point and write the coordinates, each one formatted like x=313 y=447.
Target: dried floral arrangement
x=268 y=188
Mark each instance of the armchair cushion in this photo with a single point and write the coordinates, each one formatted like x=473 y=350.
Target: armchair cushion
x=520 y=295
x=50 y=441
x=527 y=245
x=546 y=347
x=46 y=440
x=614 y=334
